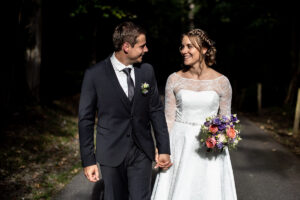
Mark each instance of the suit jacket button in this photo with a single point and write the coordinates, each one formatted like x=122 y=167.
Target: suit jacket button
x=128 y=135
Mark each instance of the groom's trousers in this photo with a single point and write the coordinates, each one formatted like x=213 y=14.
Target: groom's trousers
x=131 y=179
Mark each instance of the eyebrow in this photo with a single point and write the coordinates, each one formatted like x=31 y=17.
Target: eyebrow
x=188 y=44
x=143 y=45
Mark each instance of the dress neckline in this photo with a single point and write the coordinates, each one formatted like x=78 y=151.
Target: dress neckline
x=198 y=80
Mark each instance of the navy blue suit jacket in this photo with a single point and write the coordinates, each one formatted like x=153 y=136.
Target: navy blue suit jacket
x=119 y=120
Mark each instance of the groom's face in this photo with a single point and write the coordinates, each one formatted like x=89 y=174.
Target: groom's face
x=136 y=53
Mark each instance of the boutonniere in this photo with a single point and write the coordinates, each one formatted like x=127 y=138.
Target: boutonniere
x=145 y=88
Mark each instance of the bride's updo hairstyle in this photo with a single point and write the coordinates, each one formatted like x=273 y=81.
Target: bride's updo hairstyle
x=200 y=40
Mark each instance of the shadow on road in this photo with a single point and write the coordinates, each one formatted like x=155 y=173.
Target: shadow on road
x=98 y=189
x=265 y=162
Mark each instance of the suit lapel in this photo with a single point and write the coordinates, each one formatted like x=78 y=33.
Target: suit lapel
x=137 y=87
x=118 y=88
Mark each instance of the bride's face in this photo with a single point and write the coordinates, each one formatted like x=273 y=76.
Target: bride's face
x=190 y=54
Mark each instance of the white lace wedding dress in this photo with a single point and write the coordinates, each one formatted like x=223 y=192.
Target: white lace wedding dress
x=195 y=174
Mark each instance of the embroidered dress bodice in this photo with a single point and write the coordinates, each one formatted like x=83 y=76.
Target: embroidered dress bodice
x=191 y=101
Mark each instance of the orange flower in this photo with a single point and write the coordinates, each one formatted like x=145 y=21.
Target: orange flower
x=213 y=128
x=230 y=132
x=211 y=142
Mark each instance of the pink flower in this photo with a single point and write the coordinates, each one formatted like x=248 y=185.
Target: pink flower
x=211 y=142
x=230 y=132
x=213 y=128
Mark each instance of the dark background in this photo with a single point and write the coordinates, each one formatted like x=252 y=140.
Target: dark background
x=257 y=42
x=48 y=44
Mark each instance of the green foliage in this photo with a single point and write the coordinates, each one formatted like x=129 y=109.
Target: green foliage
x=101 y=9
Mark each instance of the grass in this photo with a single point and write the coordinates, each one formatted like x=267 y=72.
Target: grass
x=39 y=152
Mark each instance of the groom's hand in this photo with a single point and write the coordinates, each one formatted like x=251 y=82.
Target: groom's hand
x=92 y=173
x=163 y=161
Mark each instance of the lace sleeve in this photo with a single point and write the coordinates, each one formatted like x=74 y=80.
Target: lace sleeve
x=170 y=101
x=225 y=96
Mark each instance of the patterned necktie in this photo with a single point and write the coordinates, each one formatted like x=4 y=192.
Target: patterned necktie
x=129 y=83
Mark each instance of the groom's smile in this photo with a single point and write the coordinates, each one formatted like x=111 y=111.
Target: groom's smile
x=137 y=52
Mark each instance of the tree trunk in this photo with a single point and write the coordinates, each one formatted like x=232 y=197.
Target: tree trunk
x=259 y=98
x=293 y=83
x=295 y=57
x=191 y=13
x=297 y=116
x=33 y=55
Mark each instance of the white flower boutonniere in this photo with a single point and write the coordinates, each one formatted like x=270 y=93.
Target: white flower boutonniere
x=145 y=88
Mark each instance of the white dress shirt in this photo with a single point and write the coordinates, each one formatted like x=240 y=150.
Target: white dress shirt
x=122 y=77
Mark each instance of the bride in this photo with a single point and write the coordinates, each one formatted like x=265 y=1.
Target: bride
x=193 y=94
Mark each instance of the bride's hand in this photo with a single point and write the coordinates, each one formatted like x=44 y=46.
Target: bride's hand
x=164 y=161
x=156 y=155
x=156 y=158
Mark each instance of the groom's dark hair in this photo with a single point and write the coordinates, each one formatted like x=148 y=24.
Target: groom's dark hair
x=126 y=32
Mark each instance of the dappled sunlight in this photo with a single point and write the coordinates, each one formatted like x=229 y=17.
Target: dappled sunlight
x=41 y=150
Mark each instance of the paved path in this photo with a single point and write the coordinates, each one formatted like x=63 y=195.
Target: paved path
x=263 y=170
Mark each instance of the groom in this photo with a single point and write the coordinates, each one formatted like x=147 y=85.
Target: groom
x=124 y=95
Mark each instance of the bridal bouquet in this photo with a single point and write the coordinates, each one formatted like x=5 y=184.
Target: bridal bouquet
x=218 y=132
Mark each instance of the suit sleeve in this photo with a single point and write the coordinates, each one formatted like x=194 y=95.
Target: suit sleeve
x=158 y=119
x=87 y=110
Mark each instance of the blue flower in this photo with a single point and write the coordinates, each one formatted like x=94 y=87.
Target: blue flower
x=221 y=127
x=216 y=121
x=234 y=118
x=207 y=123
x=220 y=145
x=225 y=118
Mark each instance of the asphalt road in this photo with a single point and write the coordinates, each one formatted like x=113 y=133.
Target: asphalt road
x=263 y=170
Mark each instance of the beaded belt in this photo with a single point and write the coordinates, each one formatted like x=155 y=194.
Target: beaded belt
x=190 y=123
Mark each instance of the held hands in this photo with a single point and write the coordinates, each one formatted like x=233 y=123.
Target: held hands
x=92 y=173
x=162 y=160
